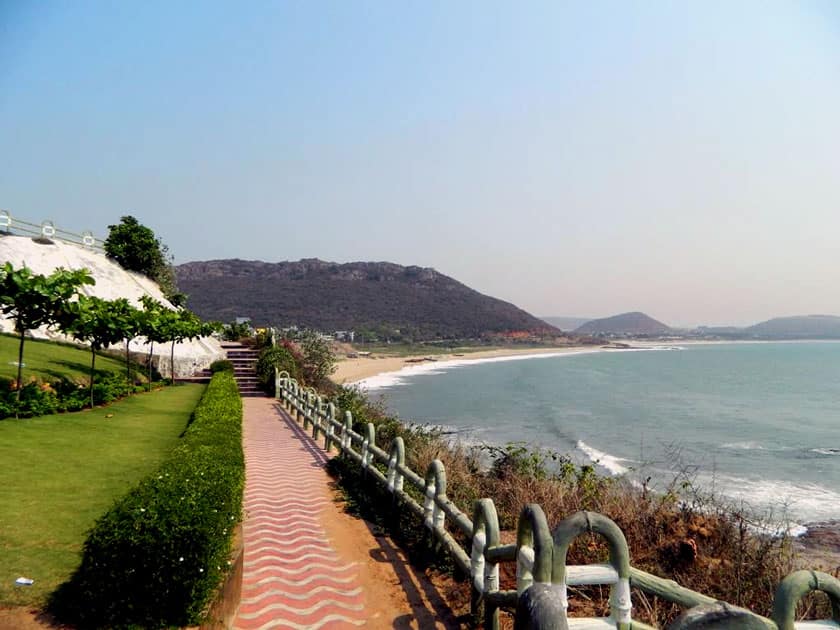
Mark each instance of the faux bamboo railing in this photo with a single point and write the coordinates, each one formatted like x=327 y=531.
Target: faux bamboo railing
x=48 y=230
x=540 y=600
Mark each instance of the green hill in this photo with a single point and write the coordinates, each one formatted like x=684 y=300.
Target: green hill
x=419 y=302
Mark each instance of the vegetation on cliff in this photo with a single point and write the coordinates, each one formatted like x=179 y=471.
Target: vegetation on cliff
x=409 y=303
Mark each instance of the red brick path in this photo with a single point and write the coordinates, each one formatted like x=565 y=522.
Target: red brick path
x=292 y=578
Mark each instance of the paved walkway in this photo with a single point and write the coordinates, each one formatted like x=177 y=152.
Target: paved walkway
x=293 y=577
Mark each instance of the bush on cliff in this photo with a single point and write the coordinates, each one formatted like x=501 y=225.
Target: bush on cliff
x=157 y=556
x=679 y=533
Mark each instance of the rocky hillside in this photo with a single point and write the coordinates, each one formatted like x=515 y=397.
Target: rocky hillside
x=624 y=324
x=801 y=327
x=418 y=302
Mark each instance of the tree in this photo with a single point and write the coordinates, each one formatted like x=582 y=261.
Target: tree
x=136 y=248
x=34 y=300
x=99 y=322
x=130 y=320
x=181 y=325
x=318 y=358
x=151 y=326
x=163 y=325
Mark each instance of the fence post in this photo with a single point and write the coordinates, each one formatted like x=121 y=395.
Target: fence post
x=797 y=585
x=485 y=575
x=582 y=522
x=395 y=480
x=397 y=458
x=345 y=433
x=433 y=516
x=317 y=409
x=328 y=437
x=370 y=439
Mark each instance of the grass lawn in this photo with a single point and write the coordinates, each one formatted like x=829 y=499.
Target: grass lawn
x=49 y=361
x=59 y=473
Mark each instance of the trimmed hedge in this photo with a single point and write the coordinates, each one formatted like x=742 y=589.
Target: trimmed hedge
x=157 y=556
x=221 y=365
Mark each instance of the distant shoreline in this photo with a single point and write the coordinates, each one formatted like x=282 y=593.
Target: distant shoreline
x=353 y=370
x=350 y=371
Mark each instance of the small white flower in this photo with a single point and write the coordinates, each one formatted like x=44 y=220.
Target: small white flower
x=142 y=509
x=201 y=570
x=181 y=559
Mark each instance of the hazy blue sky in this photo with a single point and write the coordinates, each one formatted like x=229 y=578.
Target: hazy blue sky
x=680 y=158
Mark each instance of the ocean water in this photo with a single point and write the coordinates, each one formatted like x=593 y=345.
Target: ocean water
x=757 y=422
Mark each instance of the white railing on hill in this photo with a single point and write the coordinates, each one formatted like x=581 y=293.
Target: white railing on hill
x=47 y=230
x=540 y=599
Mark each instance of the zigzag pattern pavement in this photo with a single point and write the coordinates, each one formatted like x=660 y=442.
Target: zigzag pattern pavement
x=293 y=578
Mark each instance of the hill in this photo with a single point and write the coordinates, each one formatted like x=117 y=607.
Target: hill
x=418 y=302
x=800 y=327
x=625 y=324
x=567 y=323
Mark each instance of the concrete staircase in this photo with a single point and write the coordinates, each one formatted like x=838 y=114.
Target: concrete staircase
x=244 y=361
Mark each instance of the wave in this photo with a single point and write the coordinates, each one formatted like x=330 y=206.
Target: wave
x=825 y=451
x=604 y=460
x=393 y=379
x=744 y=446
x=780 y=499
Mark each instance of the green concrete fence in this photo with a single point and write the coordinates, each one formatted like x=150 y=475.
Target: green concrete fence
x=542 y=576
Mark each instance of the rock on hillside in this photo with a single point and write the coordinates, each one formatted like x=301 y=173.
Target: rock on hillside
x=421 y=302
x=112 y=281
x=625 y=324
x=800 y=327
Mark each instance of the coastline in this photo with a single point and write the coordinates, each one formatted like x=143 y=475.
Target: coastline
x=815 y=541
x=350 y=371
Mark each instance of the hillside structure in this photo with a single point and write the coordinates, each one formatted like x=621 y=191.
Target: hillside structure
x=43 y=256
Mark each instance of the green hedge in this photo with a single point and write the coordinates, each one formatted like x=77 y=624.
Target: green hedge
x=157 y=556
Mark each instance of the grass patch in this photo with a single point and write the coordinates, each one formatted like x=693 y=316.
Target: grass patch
x=60 y=473
x=47 y=360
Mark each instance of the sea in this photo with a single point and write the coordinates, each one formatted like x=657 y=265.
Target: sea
x=757 y=424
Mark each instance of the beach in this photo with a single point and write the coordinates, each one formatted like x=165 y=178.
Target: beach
x=359 y=368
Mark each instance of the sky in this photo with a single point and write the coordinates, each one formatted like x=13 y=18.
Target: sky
x=574 y=158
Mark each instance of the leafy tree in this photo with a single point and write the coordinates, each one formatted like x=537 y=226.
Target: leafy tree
x=99 y=322
x=163 y=325
x=181 y=325
x=136 y=248
x=131 y=321
x=318 y=358
x=34 y=300
x=151 y=326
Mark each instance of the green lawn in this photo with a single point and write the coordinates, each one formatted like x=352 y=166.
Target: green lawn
x=49 y=361
x=59 y=473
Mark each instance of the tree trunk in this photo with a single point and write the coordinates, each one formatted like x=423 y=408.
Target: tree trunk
x=20 y=374
x=172 y=362
x=151 y=349
x=127 y=362
x=92 y=366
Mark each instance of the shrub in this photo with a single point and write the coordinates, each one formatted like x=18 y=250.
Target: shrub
x=157 y=556
x=275 y=358
x=221 y=365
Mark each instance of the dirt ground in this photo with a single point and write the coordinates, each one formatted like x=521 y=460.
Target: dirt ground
x=398 y=595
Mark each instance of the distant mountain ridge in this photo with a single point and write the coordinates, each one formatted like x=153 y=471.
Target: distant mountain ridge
x=634 y=323
x=331 y=296
x=797 y=327
x=566 y=323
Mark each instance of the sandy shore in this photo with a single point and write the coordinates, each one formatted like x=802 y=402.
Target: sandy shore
x=353 y=370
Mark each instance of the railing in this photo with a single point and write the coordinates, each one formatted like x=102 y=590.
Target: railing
x=47 y=230
x=540 y=599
